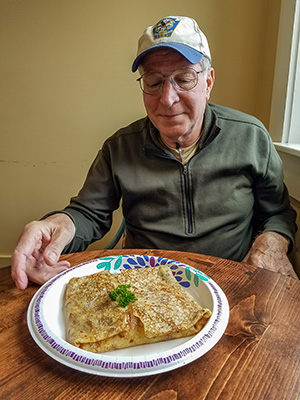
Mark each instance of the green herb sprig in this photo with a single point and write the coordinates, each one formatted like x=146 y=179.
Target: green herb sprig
x=123 y=295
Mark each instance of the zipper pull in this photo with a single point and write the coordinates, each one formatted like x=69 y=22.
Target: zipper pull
x=180 y=152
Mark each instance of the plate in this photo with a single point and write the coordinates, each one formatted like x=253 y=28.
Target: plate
x=46 y=323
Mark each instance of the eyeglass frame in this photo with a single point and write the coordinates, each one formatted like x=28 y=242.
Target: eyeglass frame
x=174 y=84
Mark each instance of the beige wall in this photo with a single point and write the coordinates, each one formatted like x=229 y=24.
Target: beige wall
x=66 y=85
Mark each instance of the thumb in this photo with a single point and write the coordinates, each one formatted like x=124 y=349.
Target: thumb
x=62 y=231
x=52 y=253
x=54 y=249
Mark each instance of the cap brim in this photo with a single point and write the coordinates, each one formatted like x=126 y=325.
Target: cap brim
x=192 y=55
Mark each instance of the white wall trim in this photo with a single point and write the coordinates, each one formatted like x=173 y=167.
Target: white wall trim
x=282 y=96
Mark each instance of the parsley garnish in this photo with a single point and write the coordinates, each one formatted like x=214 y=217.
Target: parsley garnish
x=123 y=295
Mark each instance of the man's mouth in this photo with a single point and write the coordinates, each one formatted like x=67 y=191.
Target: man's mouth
x=170 y=116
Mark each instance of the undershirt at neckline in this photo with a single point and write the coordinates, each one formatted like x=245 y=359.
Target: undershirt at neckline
x=183 y=154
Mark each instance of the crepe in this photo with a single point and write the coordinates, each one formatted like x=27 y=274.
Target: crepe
x=162 y=310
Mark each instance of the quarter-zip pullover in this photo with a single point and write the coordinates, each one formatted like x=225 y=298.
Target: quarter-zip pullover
x=230 y=188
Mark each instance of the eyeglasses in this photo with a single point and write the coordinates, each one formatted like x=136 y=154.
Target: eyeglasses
x=181 y=79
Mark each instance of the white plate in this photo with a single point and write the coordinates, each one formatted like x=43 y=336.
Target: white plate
x=45 y=318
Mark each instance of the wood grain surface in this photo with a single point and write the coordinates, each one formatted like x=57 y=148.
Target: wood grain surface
x=257 y=358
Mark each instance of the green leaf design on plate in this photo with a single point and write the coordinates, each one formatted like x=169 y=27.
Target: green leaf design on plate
x=105 y=263
x=188 y=273
x=118 y=263
x=196 y=280
x=106 y=266
x=202 y=276
x=197 y=274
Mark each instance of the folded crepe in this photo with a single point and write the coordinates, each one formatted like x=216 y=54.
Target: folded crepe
x=162 y=310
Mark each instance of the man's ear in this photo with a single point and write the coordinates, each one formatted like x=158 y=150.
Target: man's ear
x=210 y=79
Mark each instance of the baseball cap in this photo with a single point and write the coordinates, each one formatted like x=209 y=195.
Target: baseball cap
x=179 y=33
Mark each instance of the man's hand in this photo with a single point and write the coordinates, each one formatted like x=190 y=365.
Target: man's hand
x=38 y=250
x=269 y=251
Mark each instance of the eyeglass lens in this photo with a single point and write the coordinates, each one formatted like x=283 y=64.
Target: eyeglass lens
x=185 y=79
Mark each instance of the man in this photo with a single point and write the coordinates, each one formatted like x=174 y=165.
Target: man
x=191 y=175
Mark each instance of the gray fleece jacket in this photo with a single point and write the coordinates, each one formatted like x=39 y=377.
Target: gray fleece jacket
x=229 y=190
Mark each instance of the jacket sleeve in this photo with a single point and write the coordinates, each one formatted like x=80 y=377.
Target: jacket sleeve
x=273 y=211
x=91 y=210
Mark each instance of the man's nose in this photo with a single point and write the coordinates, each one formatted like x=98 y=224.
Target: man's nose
x=169 y=94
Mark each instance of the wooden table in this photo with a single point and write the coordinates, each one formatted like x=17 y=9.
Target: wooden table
x=258 y=357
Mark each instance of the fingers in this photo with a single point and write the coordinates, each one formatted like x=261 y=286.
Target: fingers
x=42 y=273
x=38 y=250
x=292 y=274
x=18 y=271
x=276 y=262
x=269 y=251
x=30 y=240
x=36 y=270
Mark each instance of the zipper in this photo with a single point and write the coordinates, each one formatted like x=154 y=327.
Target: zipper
x=186 y=192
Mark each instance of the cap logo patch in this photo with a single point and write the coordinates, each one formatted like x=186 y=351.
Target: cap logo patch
x=164 y=28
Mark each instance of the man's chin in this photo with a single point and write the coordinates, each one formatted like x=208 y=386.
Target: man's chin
x=172 y=129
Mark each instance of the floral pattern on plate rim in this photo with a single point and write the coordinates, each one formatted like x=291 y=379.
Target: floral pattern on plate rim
x=184 y=277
